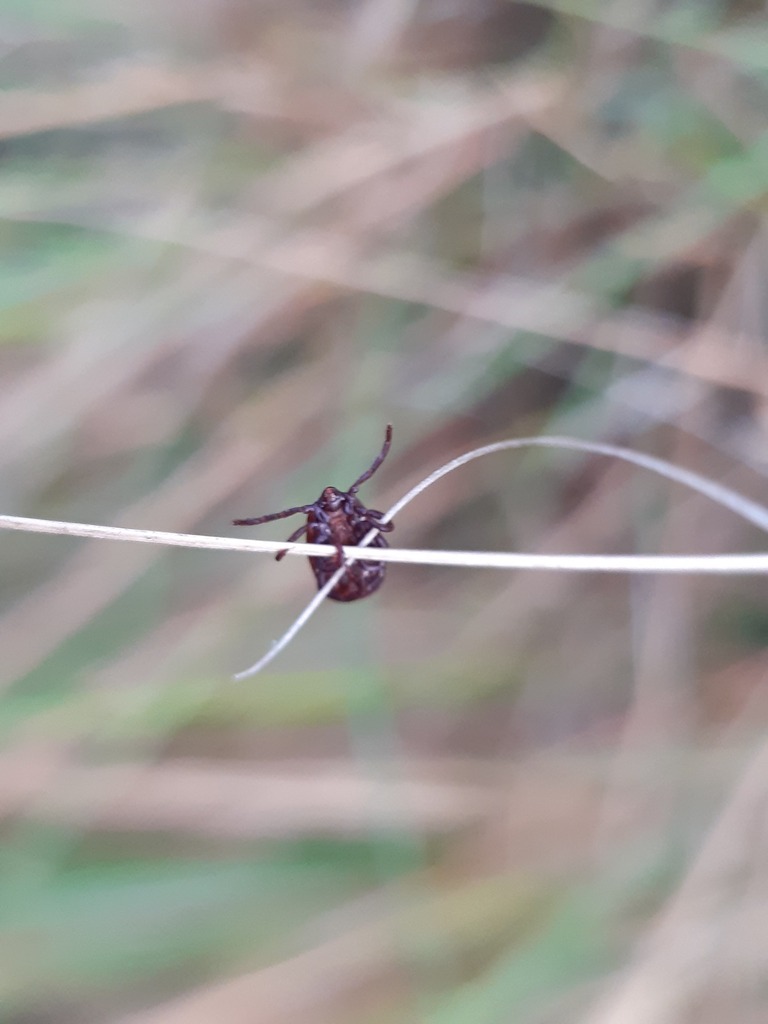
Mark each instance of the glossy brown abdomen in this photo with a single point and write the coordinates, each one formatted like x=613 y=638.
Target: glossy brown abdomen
x=361 y=578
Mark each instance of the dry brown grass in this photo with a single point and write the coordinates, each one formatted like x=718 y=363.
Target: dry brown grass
x=241 y=237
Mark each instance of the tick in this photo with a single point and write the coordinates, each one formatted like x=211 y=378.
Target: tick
x=339 y=518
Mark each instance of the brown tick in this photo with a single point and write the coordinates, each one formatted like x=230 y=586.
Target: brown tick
x=340 y=518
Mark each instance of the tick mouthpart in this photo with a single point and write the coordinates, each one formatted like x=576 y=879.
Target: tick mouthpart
x=332 y=497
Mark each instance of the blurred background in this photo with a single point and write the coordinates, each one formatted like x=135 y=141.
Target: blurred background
x=241 y=236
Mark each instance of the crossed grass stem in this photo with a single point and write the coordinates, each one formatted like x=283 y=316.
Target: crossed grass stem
x=752 y=511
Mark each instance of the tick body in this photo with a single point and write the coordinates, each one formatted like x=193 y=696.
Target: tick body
x=340 y=518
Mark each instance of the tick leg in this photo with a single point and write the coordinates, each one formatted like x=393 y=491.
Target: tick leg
x=303 y=509
x=376 y=462
x=325 y=536
x=373 y=516
x=322 y=534
x=289 y=540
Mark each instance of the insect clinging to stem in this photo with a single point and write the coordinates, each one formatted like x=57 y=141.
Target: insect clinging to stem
x=340 y=518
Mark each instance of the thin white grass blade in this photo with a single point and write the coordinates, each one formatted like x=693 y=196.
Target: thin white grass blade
x=747 y=509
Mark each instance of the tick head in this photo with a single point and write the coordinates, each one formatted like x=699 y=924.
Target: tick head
x=331 y=499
